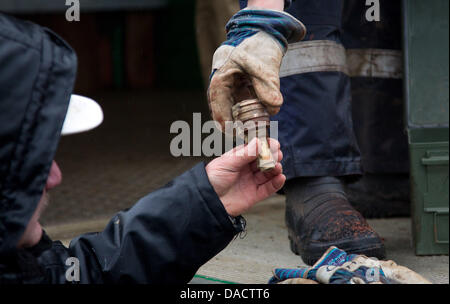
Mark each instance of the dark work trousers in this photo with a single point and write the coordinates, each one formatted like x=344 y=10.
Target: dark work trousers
x=347 y=60
x=374 y=58
x=315 y=122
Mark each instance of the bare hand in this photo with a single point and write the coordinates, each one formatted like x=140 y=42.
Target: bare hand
x=237 y=180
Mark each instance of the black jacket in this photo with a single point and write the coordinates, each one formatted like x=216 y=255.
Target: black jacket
x=164 y=238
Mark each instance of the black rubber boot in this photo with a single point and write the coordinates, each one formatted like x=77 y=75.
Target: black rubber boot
x=381 y=195
x=318 y=215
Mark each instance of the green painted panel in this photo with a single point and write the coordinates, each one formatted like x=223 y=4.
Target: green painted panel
x=427 y=62
x=429 y=157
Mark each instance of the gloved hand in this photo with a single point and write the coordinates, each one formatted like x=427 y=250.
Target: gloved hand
x=247 y=65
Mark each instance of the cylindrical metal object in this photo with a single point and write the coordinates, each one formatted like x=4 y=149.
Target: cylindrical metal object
x=255 y=122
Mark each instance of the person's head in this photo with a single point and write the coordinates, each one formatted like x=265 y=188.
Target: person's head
x=37 y=76
x=83 y=114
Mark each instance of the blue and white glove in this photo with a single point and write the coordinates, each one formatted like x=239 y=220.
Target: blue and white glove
x=247 y=65
x=338 y=267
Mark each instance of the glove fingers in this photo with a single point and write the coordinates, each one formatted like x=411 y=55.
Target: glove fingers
x=268 y=92
x=228 y=86
x=220 y=97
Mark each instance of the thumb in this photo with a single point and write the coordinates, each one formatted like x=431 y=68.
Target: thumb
x=242 y=155
x=220 y=89
x=220 y=98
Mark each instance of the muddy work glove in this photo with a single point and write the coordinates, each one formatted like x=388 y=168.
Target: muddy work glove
x=247 y=65
x=338 y=267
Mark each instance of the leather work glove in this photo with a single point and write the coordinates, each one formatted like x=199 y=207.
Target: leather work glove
x=247 y=65
x=338 y=267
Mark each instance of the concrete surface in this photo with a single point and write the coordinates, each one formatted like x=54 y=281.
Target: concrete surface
x=266 y=246
x=250 y=260
x=110 y=168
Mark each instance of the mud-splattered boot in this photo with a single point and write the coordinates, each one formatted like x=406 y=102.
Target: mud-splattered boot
x=318 y=215
x=381 y=195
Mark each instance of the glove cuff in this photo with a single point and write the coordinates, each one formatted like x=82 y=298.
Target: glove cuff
x=282 y=26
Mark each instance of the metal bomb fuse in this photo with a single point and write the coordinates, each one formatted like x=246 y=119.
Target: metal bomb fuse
x=255 y=122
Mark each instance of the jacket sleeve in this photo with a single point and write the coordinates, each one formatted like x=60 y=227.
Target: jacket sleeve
x=164 y=238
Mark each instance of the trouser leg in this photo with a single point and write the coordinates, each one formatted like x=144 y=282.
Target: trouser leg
x=318 y=141
x=315 y=123
x=374 y=59
x=375 y=65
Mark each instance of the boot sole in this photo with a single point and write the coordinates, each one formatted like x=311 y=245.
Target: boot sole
x=370 y=247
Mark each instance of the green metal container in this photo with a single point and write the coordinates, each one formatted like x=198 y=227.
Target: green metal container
x=426 y=48
x=429 y=178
